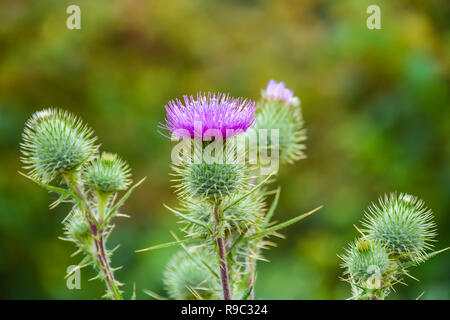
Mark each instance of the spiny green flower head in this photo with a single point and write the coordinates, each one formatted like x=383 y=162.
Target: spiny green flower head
x=212 y=180
x=280 y=110
x=186 y=279
x=77 y=228
x=365 y=259
x=108 y=174
x=237 y=217
x=403 y=224
x=55 y=142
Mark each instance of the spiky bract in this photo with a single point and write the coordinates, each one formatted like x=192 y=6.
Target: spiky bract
x=55 y=142
x=187 y=279
x=403 y=224
x=212 y=180
x=108 y=174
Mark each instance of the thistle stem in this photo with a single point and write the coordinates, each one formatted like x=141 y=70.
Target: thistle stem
x=105 y=267
x=224 y=275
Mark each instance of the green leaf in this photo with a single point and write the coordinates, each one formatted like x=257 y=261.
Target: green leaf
x=167 y=244
x=247 y=292
x=272 y=208
x=259 y=185
x=432 y=254
x=154 y=295
x=264 y=232
x=426 y=257
x=195 y=221
x=133 y=295
x=64 y=192
x=59 y=200
x=122 y=200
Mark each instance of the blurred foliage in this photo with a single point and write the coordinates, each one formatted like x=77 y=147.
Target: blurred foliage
x=376 y=105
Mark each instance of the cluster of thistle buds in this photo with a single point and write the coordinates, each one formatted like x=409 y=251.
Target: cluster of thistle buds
x=224 y=164
x=397 y=234
x=220 y=167
x=60 y=154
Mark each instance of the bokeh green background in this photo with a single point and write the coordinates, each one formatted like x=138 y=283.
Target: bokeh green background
x=376 y=105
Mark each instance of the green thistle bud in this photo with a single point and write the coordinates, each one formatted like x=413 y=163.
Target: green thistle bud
x=237 y=217
x=365 y=259
x=403 y=224
x=55 y=143
x=76 y=227
x=210 y=181
x=369 y=269
x=108 y=174
x=288 y=120
x=186 y=279
x=213 y=180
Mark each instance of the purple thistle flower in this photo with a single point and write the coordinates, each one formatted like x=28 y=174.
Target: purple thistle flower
x=209 y=115
x=277 y=91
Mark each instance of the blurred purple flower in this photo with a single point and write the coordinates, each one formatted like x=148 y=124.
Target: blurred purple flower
x=277 y=91
x=209 y=115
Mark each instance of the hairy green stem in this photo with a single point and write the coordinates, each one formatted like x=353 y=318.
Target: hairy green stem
x=224 y=275
x=102 y=201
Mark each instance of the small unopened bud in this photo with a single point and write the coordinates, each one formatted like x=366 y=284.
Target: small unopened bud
x=107 y=174
x=77 y=228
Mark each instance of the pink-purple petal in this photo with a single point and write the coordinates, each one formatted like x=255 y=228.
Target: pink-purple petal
x=210 y=114
x=278 y=91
